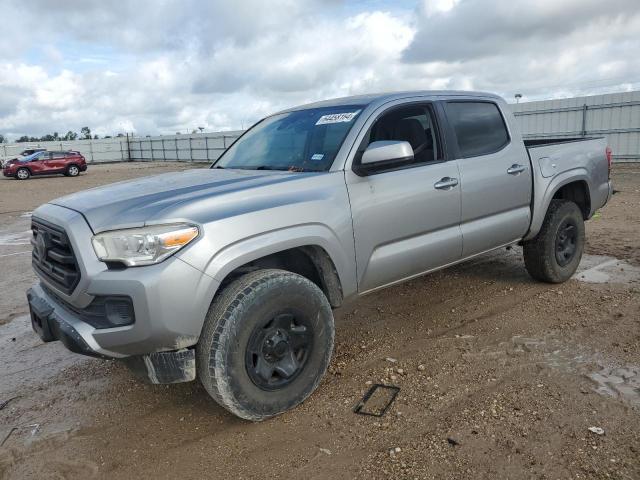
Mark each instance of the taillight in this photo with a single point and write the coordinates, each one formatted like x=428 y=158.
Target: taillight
x=609 y=155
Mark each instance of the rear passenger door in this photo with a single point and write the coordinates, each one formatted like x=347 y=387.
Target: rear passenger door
x=495 y=176
x=56 y=162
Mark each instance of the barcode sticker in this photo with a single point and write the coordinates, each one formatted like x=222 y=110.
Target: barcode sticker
x=337 y=118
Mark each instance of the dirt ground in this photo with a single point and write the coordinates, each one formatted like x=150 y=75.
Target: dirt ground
x=499 y=376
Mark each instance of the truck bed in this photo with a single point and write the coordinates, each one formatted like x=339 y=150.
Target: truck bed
x=557 y=161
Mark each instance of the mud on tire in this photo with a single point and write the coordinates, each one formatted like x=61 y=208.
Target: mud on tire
x=554 y=254
x=242 y=357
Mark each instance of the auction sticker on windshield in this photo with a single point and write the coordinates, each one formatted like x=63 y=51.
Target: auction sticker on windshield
x=337 y=117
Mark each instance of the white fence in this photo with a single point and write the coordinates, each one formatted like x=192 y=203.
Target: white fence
x=198 y=147
x=615 y=116
x=95 y=151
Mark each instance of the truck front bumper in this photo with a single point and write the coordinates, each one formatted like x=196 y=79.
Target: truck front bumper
x=169 y=302
x=54 y=322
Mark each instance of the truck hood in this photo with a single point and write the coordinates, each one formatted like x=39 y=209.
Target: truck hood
x=194 y=195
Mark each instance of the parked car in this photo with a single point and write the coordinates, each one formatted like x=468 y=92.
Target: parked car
x=24 y=153
x=69 y=163
x=230 y=274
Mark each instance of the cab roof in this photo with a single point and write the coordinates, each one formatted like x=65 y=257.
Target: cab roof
x=376 y=99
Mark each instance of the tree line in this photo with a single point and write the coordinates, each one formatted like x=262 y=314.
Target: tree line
x=85 y=134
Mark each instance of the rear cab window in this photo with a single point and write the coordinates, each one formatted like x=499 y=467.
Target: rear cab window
x=479 y=127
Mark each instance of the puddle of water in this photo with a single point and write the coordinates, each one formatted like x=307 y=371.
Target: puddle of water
x=20 y=238
x=26 y=360
x=602 y=269
x=616 y=381
x=619 y=382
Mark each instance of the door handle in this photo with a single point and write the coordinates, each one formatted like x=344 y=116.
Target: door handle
x=515 y=169
x=446 y=183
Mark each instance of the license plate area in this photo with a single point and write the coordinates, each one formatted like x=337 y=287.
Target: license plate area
x=39 y=311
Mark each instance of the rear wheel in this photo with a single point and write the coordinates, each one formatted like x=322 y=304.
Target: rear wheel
x=554 y=254
x=266 y=343
x=23 y=174
x=73 y=171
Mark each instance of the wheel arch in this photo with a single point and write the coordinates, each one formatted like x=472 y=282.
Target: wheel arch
x=577 y=192
x=313 y=250
x=571 y=185
x=310 y=261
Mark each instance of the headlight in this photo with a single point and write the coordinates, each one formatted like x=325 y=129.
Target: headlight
x=143 y=246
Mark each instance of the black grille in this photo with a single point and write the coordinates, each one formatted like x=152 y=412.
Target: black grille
x=52 y=257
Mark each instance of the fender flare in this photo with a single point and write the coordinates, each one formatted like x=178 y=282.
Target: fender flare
x=229 y=258
x=541 y=206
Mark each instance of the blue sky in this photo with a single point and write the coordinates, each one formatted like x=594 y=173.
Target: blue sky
x=149 y=67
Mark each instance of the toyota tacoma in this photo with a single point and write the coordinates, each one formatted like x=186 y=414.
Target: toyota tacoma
x=230 y=274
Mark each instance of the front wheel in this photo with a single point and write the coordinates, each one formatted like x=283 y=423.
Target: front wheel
x=554 y=254
x=23 y=174
x=266 y=343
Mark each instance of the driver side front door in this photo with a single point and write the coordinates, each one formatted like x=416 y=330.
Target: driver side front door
x=406 y=220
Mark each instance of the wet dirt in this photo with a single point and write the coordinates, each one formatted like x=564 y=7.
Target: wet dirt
x=499 y=376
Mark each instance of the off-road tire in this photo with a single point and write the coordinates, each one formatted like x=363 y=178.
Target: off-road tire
x=237 y=312
x=26 y=176
x=72 y=171
x=540 y=252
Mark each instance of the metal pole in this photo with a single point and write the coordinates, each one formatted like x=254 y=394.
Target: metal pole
x=164 y=152
x=177 y=154
x=129 y=148
x=206 y=146
x=151 y=147
x=190 y=150
x=584 y=120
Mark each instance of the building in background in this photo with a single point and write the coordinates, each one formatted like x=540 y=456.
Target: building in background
x=615 y=116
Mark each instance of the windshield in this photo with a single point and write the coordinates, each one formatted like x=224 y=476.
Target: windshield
x=32 y=156
x=300 y=141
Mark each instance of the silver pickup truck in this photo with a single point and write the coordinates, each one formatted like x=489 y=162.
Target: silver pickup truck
x=230 y=273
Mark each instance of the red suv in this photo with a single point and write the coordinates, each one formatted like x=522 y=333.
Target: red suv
x=69 y=163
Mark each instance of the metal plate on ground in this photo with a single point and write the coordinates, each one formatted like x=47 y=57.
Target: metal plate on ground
x=377 y=400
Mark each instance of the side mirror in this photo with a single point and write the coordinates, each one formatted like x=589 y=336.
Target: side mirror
x=384 y=153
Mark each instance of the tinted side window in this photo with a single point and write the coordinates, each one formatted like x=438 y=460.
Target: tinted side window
x=479 y=127
x=413 y=124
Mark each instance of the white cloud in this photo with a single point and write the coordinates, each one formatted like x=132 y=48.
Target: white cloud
x=161 y=67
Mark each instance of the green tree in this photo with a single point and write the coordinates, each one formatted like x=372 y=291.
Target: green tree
x=70 y=136
x=85 y=133
x=3 y=139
